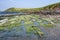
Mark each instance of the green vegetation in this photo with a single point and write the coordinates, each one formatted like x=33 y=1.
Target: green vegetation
x=52 y=6
x=49 y=7
x=30 y=22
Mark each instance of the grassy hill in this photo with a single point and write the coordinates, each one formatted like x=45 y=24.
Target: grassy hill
x=51 y=7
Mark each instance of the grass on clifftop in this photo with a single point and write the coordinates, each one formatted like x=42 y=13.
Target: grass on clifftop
x=48 y=7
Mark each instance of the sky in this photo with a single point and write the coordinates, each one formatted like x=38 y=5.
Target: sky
x=5 y=4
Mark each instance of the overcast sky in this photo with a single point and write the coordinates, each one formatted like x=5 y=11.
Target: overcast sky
x=4 y=4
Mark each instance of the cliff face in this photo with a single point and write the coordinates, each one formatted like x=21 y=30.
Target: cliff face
x=50 y=8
